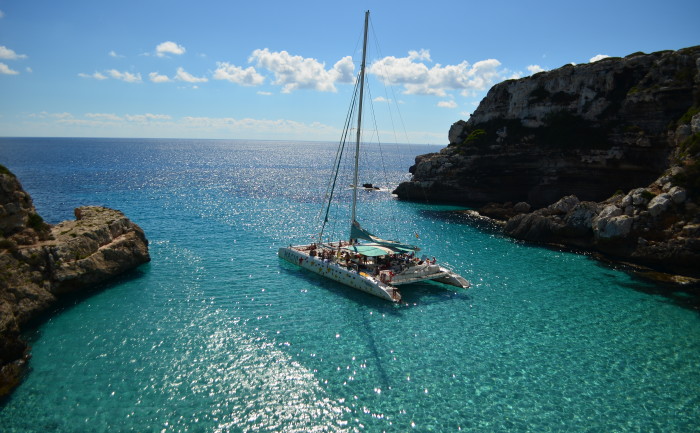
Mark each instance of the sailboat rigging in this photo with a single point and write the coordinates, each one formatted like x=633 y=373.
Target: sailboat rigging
x=365 y=261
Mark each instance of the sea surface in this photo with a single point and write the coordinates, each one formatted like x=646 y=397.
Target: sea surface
x=217 y=334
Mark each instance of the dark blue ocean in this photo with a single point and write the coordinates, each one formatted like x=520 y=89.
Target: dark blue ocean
x=217 y=334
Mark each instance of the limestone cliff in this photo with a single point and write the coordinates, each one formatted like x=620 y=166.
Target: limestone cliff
x=587 y=130
x=39 y=263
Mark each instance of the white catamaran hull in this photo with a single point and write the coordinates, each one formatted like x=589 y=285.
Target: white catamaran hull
x=365 y=282
x=341 y=274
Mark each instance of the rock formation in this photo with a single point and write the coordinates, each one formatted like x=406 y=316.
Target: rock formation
x=39 y=263
x=587 y=130
x=607 y=153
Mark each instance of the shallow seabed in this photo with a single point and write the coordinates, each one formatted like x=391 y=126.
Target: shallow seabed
x=217 y=334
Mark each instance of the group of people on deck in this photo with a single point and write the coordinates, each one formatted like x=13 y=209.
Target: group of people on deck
x=360 y=262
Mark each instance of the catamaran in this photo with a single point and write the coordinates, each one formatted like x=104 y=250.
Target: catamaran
x=365 y=261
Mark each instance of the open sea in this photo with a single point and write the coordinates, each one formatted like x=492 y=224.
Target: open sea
x=217 y=334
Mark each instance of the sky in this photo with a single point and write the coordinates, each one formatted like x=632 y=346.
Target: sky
x=284 y=70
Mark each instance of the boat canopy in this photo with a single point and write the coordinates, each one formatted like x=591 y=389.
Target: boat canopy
x=370 y=250
x=357 y=232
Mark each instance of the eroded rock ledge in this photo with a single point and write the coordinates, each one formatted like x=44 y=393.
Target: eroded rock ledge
x=657 y=226
x=39 y=263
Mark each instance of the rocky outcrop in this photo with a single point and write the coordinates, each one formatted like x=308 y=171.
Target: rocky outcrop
x=657 y=226
x=587 y=130
x=39 y=263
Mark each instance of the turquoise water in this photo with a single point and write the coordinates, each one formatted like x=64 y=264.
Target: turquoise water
x=217 y=334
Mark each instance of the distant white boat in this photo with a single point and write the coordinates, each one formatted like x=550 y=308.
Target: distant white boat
x=365 y=261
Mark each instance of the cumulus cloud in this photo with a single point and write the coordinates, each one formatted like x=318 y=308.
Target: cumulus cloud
x=598 y=57
x=296 y=72
x=182 y=75
x=447 y=104
x=417 y=78
x=8 y=54
x=169 y=47
x=238 y=75
x=535 y=69
x=4 y=69
x=96 y=76
x=125 y=76
x=155 y=77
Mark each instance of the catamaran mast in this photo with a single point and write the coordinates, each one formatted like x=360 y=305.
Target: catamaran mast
x=359 y=121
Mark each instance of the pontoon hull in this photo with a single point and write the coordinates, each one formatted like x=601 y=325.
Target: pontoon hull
x=341 y=274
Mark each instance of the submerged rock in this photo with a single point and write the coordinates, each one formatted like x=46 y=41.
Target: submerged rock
x=39 y=263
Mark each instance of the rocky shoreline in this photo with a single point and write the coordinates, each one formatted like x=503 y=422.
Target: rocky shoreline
x=602 y=157
x=39 y=263
x=656 y=227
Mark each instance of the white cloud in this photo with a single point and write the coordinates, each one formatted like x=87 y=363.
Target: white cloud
x=125 y=76
x=8 y=54
x=47 y=115
x=447 y=104
x=29 y=69
x=248 y=125
x=264 y=93
x=147 y=117
x=535 y=69
x=296 y=72
x=238 y=75
x=5 y=70
x=96 y=75
x=418 y=79
x=187 y=77
x=381 y=99
x=423 y=54
x=169 y=47
x=115 y=55
x=157 y=78
x=598 y=57
x=104 y=116
x=2 y=14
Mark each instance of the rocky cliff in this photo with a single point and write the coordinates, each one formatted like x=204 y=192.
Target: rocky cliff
x=587 y=130
x=607 y=154
x=39 y=263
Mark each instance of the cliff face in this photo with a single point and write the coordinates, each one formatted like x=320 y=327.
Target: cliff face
x=587 y=130
x=39 y=263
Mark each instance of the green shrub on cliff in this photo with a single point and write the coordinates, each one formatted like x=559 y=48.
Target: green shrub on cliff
x=685 y=118
x=689 y=178
x=690 y=147
x=475 y=137
x=36 y=222
x=5 y=170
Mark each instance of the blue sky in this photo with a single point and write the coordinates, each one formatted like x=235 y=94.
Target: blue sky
x=283 y=69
